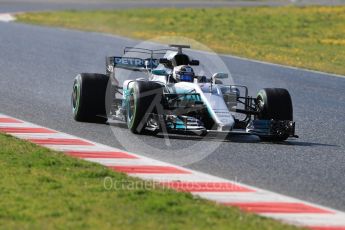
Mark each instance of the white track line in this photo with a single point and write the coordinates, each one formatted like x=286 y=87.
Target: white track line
x=67 y=148
x=322 y=220
x=179 y=177
x=27 y=136
x=125 y=162
x=226 y=197
x=200 y=184
x=18 y=125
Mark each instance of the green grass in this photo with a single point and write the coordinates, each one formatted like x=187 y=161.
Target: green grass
x=40 y=188
x=310 y=37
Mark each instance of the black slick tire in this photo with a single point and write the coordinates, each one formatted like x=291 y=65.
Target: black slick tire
x=276 y=104
x=145 y=97
x=88 y=97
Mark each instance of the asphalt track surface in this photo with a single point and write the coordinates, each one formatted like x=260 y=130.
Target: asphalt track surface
x=38 y=64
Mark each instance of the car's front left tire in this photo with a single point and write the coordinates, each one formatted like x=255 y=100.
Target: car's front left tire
x=88 y=97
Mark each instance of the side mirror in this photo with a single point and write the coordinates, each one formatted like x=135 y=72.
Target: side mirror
x=219 y=76
x=194 y=62
x=163 y=61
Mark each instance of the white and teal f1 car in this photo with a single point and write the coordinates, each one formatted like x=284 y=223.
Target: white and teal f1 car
x=172 y=98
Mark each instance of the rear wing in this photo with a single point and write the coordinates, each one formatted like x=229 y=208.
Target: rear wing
x=134 y=63
x=130 y=63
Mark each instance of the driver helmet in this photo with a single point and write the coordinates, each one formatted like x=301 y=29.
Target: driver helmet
x=183 y=73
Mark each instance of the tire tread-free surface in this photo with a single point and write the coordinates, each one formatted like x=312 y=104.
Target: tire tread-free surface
x=90 y=103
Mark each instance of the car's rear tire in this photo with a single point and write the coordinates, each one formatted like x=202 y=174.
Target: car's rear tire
x=144 y=97
x=88 y=97
x=276 y=104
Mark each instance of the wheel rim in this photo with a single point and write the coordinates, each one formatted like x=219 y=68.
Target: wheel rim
x=131 y=108
x=260 y=106
x=75 y=98
x=260 y=103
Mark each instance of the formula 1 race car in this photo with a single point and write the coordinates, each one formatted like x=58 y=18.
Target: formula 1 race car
x=172 y=98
